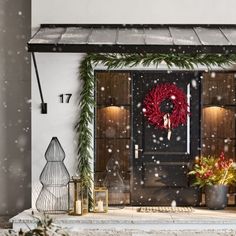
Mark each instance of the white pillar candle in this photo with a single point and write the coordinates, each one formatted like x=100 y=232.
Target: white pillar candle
x=173 y=203
x=78 y=209
x=100 y=206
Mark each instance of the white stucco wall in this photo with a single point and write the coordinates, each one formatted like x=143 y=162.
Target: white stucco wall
x=134 y=11
x=59 y=72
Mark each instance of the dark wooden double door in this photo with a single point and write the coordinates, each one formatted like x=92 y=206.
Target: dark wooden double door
x=160 y=166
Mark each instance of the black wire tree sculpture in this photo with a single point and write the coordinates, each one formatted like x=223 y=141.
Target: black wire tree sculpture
x=53 y=197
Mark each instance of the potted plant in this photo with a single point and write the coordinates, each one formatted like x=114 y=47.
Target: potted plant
x=215 y=174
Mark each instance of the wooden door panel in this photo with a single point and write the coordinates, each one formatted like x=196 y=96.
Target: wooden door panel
x=165 y=175
x=157 y=143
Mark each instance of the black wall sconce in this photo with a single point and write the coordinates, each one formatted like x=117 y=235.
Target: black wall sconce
x=111 y=101
x=215 y=102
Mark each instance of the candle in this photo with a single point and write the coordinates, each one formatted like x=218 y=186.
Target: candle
x=78 y=207
x=173 y=203
x=100 y=206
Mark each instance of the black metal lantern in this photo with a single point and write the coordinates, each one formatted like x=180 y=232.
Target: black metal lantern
x=78 y=197
x=100 y=199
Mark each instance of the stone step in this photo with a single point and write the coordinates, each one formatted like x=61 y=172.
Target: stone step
x=129 y=222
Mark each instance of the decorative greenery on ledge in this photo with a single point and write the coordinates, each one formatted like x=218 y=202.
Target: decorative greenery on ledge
x=116 y=61
x=44 y=227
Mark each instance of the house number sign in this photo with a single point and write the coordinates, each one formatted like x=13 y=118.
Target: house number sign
x=65 y=97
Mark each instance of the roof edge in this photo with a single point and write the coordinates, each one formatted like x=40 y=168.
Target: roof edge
x=135 y=25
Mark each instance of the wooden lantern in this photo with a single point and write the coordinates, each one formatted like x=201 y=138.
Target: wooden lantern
x=78 y=197
x=100 y=199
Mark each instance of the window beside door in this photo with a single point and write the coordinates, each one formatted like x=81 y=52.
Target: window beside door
x=113 y=134
x=218 y=126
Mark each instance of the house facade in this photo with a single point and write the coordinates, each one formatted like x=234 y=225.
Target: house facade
x=59 y=76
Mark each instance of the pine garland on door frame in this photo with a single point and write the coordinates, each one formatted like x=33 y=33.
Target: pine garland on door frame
x=116 y=61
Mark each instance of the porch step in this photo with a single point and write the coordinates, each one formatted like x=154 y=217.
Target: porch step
x=129 y=222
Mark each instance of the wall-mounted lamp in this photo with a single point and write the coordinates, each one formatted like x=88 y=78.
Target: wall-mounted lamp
x=111 y=102
x=215 y=102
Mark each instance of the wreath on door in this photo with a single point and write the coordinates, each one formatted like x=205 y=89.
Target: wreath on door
x=166 y=107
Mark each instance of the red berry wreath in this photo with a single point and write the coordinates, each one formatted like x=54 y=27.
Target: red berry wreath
x=152 y=106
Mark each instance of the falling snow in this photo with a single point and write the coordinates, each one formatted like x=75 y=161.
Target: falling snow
x=212 y=141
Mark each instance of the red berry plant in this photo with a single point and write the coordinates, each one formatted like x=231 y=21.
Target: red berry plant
x=214 y=171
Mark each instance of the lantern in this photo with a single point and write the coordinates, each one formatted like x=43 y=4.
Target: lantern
x=78 y=197
x=100 y=199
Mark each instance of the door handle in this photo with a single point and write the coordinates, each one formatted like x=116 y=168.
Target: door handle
x=136 y=150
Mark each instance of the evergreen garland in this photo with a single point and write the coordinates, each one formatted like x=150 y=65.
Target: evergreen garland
x=115 y=61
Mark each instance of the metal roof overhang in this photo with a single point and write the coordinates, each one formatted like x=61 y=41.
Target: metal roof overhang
x=64 y=38
x=68 y=38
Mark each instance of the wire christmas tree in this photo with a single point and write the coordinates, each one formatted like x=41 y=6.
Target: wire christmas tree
x=114 y=182
x=53 y=197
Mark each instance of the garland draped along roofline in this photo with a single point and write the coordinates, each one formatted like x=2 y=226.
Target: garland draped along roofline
x=116 y=61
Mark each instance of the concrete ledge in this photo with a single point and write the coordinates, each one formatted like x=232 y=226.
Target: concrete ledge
x=129 y=222
x=145 y=233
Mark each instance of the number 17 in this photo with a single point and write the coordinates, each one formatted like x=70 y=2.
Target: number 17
x=65 y=97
